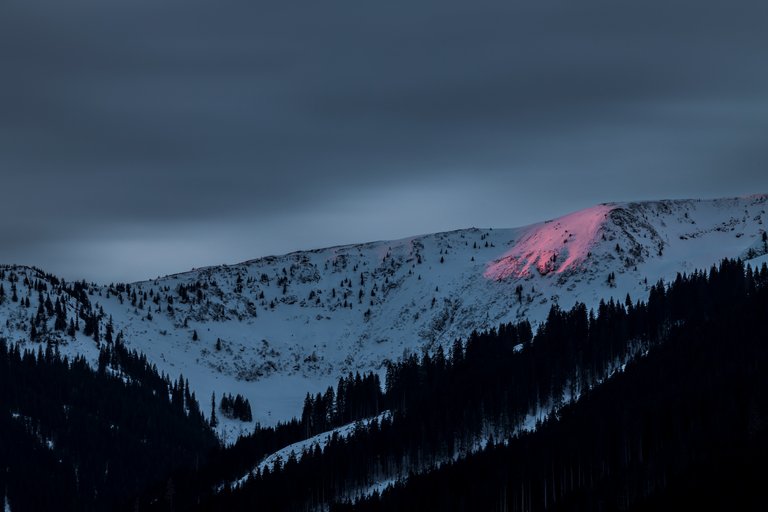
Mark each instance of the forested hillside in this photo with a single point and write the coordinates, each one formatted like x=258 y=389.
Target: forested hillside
x=685 y=428
x=638 y=405
x=75 y=438
x=668 y=390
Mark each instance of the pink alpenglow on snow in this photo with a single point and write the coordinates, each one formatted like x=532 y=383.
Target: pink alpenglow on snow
x=554 y=246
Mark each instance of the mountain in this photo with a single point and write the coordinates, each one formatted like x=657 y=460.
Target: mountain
x=274 y=328
x=681 y=427
x=658 y=404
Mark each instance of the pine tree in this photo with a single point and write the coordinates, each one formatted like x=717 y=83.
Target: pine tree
x=96 y=335
x=213 y=421
x=60 y=323
x=110 y=330
x=306 y=415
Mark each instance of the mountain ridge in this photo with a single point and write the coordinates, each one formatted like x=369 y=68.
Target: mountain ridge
x=276 y=327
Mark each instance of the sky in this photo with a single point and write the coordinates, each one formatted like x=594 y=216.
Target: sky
x=145 y=137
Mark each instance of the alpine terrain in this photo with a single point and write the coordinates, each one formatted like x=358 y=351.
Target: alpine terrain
x=275 y=328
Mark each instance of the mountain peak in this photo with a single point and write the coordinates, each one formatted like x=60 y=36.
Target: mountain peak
x=555 y=246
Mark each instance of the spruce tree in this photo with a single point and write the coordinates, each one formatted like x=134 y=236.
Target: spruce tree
x=110 y=330
x=213 y=421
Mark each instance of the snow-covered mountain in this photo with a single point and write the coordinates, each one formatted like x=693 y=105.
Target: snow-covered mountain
x=275 y=328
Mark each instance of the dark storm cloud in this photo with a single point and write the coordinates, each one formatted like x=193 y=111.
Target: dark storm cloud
x=207 y=131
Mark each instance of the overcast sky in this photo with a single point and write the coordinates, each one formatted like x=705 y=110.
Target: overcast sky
x=144 y=137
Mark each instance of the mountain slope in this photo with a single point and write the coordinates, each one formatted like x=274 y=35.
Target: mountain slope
x=276 y=327
x=630 y=435
x=682 y=427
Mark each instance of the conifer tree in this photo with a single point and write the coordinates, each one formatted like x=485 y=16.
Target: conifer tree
x=213 y=421
x=109 y=331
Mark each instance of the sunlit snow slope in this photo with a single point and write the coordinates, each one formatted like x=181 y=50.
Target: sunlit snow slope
x=295 y=323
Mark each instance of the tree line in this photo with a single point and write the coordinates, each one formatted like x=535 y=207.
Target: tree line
x=93 y=439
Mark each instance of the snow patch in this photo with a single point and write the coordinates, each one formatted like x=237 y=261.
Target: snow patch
x=554 y=246
x=299 y=448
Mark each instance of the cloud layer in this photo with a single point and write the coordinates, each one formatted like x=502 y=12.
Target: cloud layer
x=141 y=137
